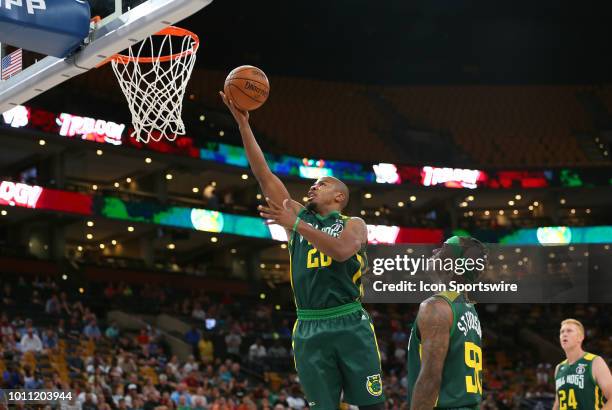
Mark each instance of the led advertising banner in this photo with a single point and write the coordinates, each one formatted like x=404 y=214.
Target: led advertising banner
x=36 y=197
x=105 y=131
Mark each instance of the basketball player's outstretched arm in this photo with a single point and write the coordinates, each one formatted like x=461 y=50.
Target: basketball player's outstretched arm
x=435 y=318
x=270 y=184
x=353 y=236
x=603 y=378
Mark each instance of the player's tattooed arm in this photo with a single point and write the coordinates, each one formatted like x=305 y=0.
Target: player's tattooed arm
x=271 y=186
x=603 y=378
x=435 y=319
x=556 y=404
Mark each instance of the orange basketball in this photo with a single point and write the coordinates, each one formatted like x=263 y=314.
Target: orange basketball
x=247 y=87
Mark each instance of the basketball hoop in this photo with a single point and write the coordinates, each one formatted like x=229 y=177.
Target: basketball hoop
x=153 y=77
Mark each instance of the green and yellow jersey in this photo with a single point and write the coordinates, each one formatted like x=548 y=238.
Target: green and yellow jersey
x=575 y=386
x=461 y=385
x=318 y=282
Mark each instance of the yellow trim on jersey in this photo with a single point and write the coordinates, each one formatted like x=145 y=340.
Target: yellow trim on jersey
x=291 y=279
x=589 y=356
x=376 y=343
x=358 y=274
x=293 y=343
x=597 y=399
x=451 y=296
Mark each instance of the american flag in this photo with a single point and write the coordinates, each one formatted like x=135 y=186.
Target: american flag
x=11 y=64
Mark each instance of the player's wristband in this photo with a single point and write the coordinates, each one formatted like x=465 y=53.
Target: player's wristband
x=297 y=221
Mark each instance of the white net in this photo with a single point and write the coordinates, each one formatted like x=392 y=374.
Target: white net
x=153 y=77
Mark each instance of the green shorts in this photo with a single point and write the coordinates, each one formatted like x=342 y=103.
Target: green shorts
x=336 y=351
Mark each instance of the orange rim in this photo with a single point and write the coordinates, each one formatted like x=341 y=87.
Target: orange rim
x=168 y=31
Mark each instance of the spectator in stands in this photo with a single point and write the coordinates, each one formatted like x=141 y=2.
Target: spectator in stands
x=278 y=351
x=193 y=338
x=190 y=365
x=11 y=377
x=206 y=349
x=295 y=399
x=36 y=301
x=7 y=295
x=52 y=306
x=143 y=337
x=92 y=331
x=198 y=312
x=399 y=336
x=181 y=392
x=284 y=330
x=211 y=201
x=23 y=328
x=30 y=380
x=257 y=352
x=7 y=330
x=110 y=291
x=65 y=306
x=61 y=328
x=112 y=332
x=233 y=340
x=152 y=400
x=30 y=342
x=163 y=386
x=74 y=328
x=49 y=339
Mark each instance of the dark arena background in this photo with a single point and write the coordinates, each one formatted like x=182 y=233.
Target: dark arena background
x=148 y=275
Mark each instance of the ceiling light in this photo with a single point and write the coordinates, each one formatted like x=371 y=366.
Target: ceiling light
x=168 y=177
x=195 y=189
x=99 y=152
x=90 y=223
x=243 y=176
x=518 y=197
x=214 y=239
x=412 y=198
x=221 y=133
x=128 y=180
x=148 y=160
x=114 y=242
x=501 y=211
x=511 y=203
x=400 y=204
x=367 y=195
x=171 y=246
x=130 y=229
x=116 y=184
x=89 y=236
x=94 y=187
x=562 y=201
x=80 y=248
x=102 y=246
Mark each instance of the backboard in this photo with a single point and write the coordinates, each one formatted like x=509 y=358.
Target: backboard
x=121 y=24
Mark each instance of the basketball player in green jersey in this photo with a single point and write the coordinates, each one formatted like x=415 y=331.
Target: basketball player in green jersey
x=445 y=349
x=336 y=353
x=582 y=380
